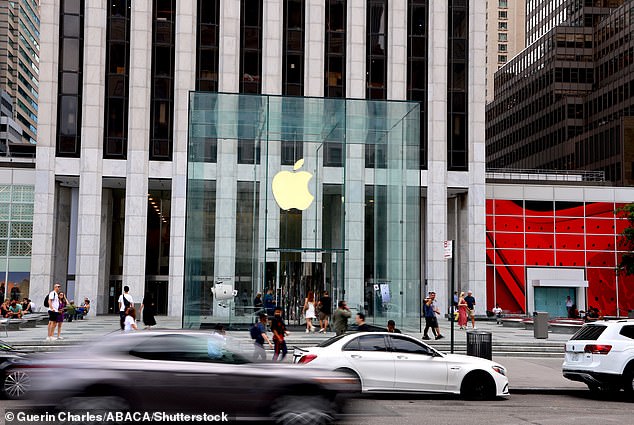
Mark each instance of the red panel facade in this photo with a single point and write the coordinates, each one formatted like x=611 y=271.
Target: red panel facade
x=523 y=234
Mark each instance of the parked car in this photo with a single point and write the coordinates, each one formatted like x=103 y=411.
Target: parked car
x=182 y=371
x=14 y=383
x=601 y=355
x=387 y=362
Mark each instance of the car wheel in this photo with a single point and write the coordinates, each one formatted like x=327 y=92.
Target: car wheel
x=478 y=386
x=17 y=384
x=302 y=409
x=354 y=375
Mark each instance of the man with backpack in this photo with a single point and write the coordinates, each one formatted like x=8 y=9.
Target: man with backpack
x=258 y=334
x=51 y=302
x=125 y=301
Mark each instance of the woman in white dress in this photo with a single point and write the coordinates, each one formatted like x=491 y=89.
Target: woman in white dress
x=309 y=311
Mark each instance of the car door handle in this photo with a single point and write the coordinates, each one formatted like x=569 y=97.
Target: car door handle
x=401 y=357
x=455 y=368
x=355 y=356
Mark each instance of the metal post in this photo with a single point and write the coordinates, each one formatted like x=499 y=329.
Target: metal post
x=451 y=306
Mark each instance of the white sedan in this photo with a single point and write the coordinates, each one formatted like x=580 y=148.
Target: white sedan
x=388 y=362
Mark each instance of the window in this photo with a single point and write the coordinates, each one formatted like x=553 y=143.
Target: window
x=335 y=44
x=417 y=48
x=207 y=48
x=367 y=343
x=404 y=345
x=502 y=36
x=117 y=80
x=162 y=82
x=503 y=3
x=457 y=88
x=502 y=47
x=627 y=331
x=293 y=72
x=251 y=46
x=502 y=58
x=503 y=26
x=502 y=14
x=376 y=49
x=69 y=96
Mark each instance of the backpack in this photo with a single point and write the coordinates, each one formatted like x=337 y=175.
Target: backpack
x=126 y=303
x=255 y=331
x=46 y=300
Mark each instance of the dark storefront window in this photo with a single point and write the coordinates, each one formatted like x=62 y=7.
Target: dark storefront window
x=162 y=103
x=207 y=45
x=69 y=95
x=247 y=225
x=251 y=46
x=457 y=148
x=117 y=80
x=159 y=206
x=417 y=53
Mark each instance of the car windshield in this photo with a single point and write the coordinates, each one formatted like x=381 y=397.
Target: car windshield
x=589 y=333
x=330 y=341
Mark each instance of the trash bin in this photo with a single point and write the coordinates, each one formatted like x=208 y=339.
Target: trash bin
x=479 y=344
x=540 y=324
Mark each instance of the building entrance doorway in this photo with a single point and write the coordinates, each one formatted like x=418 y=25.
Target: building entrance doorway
x=297 y=278
x=553 y=300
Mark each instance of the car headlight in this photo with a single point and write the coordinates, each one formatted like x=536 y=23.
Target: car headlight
x=499 y=369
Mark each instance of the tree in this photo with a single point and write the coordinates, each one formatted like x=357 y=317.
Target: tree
x=626 y=240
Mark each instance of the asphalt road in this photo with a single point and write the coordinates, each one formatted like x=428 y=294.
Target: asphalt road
x=577 y=407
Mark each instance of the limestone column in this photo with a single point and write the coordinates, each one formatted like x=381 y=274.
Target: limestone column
x=42 y=254
x=184 y=81
x=137 y=163
x=90 y=176
x=476 y=198
x=436 y=225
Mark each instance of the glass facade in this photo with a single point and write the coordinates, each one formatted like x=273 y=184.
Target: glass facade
x=262 y=226
x=16 y=232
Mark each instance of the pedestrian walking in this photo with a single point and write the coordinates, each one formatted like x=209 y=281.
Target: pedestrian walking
x=471 y=302
x=278 y=327
x=53 y=309
x=129 y=323
x=63 y=303
x=462 y=312
x=148 y=309
x=258 y=334
x=125 y=301
x=340 y=318
x=430 y=310
x=309 y=311
x=325 y=310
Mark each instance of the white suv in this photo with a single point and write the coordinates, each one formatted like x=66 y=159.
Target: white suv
x=601 y=355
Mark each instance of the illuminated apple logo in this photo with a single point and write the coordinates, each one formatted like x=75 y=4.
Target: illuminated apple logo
x=290 y=189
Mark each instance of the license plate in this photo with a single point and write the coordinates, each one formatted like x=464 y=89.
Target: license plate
x=575 y=357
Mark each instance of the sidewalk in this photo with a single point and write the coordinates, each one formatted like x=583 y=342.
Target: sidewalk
x=525 y=373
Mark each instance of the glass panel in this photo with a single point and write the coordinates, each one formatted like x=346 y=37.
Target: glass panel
x=286 y=227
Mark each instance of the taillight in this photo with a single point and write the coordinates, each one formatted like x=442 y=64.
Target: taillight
x=597 y=348
x=307 y=358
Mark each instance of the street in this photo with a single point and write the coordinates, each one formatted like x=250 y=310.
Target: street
x=579 y=407
x=576 y=407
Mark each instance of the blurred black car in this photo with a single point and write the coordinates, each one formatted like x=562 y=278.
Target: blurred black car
x=183 y=371
x=14 y=383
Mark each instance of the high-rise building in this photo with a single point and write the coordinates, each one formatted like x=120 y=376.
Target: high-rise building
x=544 y=15
x=19 y=61
x=505 y=35
x=165 y=121
x=566 y=102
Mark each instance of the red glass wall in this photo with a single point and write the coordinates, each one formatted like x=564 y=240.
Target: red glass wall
x=522 y=234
